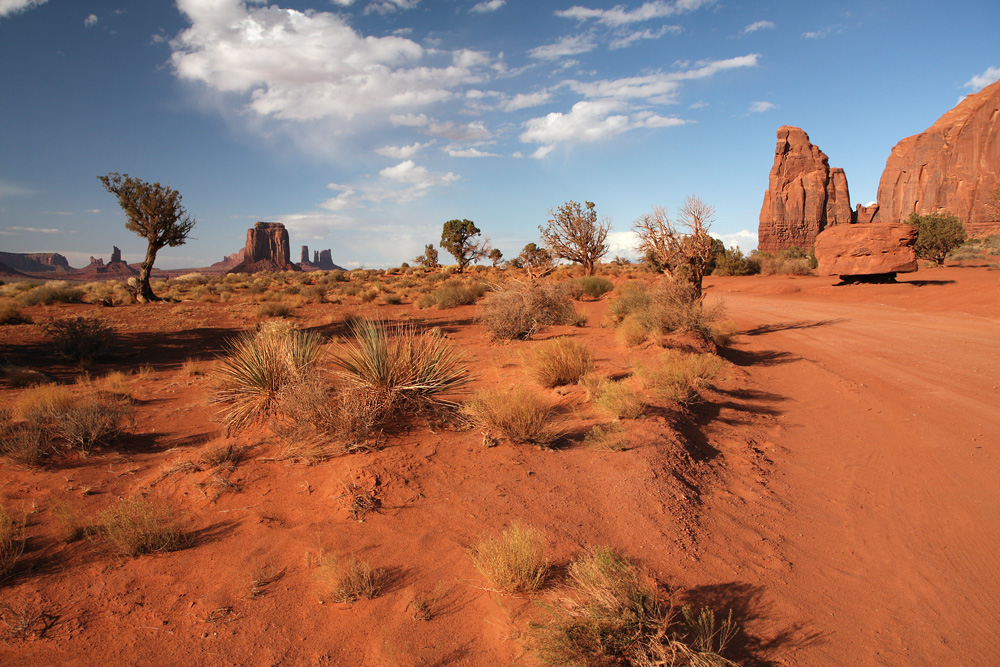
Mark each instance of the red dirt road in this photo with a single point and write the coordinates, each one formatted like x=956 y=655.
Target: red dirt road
x=877 y=542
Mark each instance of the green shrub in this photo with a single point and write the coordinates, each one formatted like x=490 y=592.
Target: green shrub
x=560 y=361
x=58 y=291
x=667 y=307
x=590 y=286
x=937 y=235
x=732 y=262
x=514 y=561
x=620 y=399
x=518 y=310
x=254 y=369
x=452 y=294
x=82 y=339
x=137 y=525
x=791 y=262
x=521 y=415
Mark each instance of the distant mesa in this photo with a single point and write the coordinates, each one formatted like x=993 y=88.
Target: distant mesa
x=36 y=262
x=953 y=167
x=115 y=268
x=267 y=249
x=804 y=195
x=322 y=260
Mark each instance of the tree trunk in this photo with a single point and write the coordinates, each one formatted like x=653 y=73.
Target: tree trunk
x=145 y=292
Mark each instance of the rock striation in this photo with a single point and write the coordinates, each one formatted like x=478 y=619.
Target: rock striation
x=866 y=250
x=804 y=195
x=953 y=167
x=267 y=249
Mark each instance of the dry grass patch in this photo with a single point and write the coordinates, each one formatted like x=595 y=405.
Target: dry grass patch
x=560 y=361
x=521 y=415
x=514 y=561
x=11 y=541
x=609 y=437
x=137 y=525
x=620 y=399
x=351 y=579
x=81 y=339
x=518 y=310
x=679 y=377
x=25 y=444
x=10 y=313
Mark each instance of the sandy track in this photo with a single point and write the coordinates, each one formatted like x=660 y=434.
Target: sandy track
x=877 y=542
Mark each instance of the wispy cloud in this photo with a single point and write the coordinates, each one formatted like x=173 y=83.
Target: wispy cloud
x=761 y=107
x=401 y=152
x=487 y=6
x=619 y=15
x=473 y=152
x=757 y=25
x=387 y=6
x=980 y=81
x=570 y=45
x=629 y=38
x=35 y=230
x=8 y=7
x=590 y=121
x=527 y=100
x=14 y=190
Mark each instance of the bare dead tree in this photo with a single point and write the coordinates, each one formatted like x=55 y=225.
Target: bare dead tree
x=574 y=233
x=684 y=251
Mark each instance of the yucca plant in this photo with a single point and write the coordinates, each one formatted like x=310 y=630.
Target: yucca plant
x=256 y=367
x=413 y=366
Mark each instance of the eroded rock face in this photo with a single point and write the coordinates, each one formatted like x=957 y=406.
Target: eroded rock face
x=35 y=262
x=267 y=249
x=866 y=249
x=804 y=195
x=951 y=167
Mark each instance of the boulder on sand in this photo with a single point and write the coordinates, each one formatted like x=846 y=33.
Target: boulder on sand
x=874 y=249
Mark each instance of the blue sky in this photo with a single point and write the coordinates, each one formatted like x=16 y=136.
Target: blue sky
x=363 y=125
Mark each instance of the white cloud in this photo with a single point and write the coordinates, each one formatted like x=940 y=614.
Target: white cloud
x=91 y=20
x=980 y=81
x=386 y=6
x=343 y=3
x=347 y=199
x=527 y=100
x=401 y=152
x=757 y=25
x=542 y=151
x=745 y=239
x=628 y=39
x=698 y=105
x=474 y=131
x=661 y=86
x=408 y=120
x=419 y=177
x=452 y=151
x=709 y=68
x=8 y=7
x=761 y=107
x=590 y=121
x=487 y=6
x=570 y=45
x=619 y=15
x=304 y=66
x=622 y=244
x=35 y=230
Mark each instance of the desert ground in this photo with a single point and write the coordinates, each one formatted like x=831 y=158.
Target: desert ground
x=835 y=488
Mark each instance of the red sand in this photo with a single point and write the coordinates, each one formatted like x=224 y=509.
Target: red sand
x=838 y=490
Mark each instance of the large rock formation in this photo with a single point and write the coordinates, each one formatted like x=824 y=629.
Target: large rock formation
x=322 y=260
x=267 y=249
x=97 y=269
x=804 y=195
x=866 y=249
x=953 y=167
x=36 y=262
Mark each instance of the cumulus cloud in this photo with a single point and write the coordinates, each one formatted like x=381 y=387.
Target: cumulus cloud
x=386 y=6
x=417 y=181
x=453 y=151
x=590 y=121
x=401 y=152
x=570 y=45
x=619 y=15
x=630 y=38
x=527 y=100
x=757 y=25
x=487 y=6
x=91 y=20
x=623 y=244
x=761 y=107
x=980 y=81
x=302 y=66
x=8 y=7
x=409 y=172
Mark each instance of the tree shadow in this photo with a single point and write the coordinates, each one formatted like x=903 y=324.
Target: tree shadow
x=923 y=283
x=746 y=358
x=789 y=326
x=745 y=601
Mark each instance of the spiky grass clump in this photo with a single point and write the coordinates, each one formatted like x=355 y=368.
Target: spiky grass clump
x=514 y=561
x=612 y=614
x=521 y=415
x=415 y=369
x=351 y=579
x=679 y=377
x=137 y=525
x=94 y=421
x=560 y=361
x=609 y=437
x=11 y=541
x=255 y=368
x=81 y=339
x=24 y=444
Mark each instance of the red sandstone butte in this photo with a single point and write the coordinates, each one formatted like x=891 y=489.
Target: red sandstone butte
x=804 y=195
x=953 y=167
x=267 y=249
x=866 y=249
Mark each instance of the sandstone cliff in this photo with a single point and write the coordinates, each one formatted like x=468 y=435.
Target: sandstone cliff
x=804 y=195
x=267 y=249
x=953 y=167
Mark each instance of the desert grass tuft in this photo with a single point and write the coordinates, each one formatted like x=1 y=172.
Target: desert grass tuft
x=560 y=361
x=11 y=541
x=514 y=561
x=521 y=415
x=518 y=310
x=620 y=399
x=678 y=376
x=94 y=421
x=25 y=444
x=10 y=313
x=137 y=525
x=609 y=437
x=350 y=579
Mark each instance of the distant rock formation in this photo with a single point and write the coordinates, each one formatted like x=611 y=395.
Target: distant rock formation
x=866 y=250
x=804 y=195
x=8 y=270
x=322 y=260
x=267 y=249
x=953 y=167
x=114 y=268
x=36 y=262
